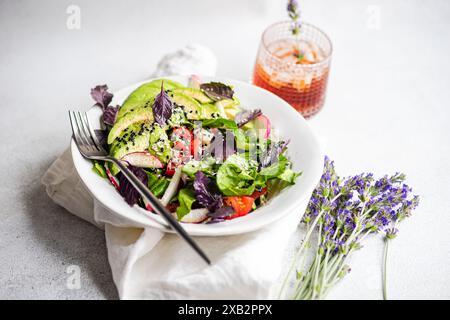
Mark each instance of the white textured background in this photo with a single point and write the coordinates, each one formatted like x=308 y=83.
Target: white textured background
x=387 y=110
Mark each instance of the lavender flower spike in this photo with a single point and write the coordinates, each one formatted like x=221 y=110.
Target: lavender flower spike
x=292 y=9
x=294 y=13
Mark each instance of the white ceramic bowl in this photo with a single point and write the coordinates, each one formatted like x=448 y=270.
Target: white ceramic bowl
x=303 y=150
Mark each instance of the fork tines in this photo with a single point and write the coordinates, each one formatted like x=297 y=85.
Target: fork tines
x=85 y=138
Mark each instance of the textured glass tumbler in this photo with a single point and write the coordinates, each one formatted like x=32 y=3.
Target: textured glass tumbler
x=294 y=67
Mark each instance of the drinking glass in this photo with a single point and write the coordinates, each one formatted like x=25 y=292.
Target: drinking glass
x=294 y=67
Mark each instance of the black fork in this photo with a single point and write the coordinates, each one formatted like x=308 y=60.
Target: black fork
x=90 y=148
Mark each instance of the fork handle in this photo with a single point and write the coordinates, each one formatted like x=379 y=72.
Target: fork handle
x=158 y=207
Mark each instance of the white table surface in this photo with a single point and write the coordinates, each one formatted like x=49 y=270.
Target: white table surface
x=387 y=110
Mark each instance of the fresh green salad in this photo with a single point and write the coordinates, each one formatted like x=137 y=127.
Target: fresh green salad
x=206 y=157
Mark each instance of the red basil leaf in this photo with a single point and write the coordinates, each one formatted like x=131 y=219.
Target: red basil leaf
x=110 y=115
x=128 y=192
x=246 y=116
x=101 y=96
x=206 y=192
x=217 y=90
x=162 y=107
x=102 y=137
x=222 y=212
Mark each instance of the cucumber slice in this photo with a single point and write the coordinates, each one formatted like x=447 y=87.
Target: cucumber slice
x=192 y=108
x=197 y=94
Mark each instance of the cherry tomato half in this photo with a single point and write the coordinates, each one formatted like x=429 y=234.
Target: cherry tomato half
x=183 y=133
x=255 y=195
x=241 y=205
x=183 y=139
x=170 y=169
x=196 y=146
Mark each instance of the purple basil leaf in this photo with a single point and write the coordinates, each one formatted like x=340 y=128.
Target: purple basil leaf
x=162 y=107
x=101 y=96
x=206 y=192
x=222 y=212
x=246 y=116
x=215 y=220
x=128 y=192
x=110 y=115
x=102 y=137
x=217 y=90
x=272 y=153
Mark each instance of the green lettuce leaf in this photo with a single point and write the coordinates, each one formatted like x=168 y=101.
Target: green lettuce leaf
x=99 y=169
x=206 y=165
x=274 y=170
x=289 y=175
x=186 y=197
x=274 y=187
x=219 y=123
x=157 y=185
x=280 y=170
x=237 y=176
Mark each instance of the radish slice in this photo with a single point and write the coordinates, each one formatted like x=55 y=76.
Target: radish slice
x=196 y=216
x=143 y=159
x=172 y=188
x=194 y=81
x=111 y=178
x=184 y=178
x=147 y=204
x=263 y=123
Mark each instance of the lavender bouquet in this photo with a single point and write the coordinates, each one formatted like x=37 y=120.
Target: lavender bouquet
x=342 y=213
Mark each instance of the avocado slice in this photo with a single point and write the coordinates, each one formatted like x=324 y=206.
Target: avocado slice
x=168 y=84
x=228 y=108
x=192 y=108
x=145 y=94
x=138 y=101
x=159 y=145
x=178 y=117
x=197 y=94
x=134 y=138
x=133 y=116
x=210 y=111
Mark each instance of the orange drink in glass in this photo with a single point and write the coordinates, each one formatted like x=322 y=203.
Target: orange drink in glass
x=294 y=67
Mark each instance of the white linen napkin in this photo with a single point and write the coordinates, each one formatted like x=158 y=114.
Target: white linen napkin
x=150 y=264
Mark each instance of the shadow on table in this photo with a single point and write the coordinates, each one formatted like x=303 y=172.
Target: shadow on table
x=75 y=241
